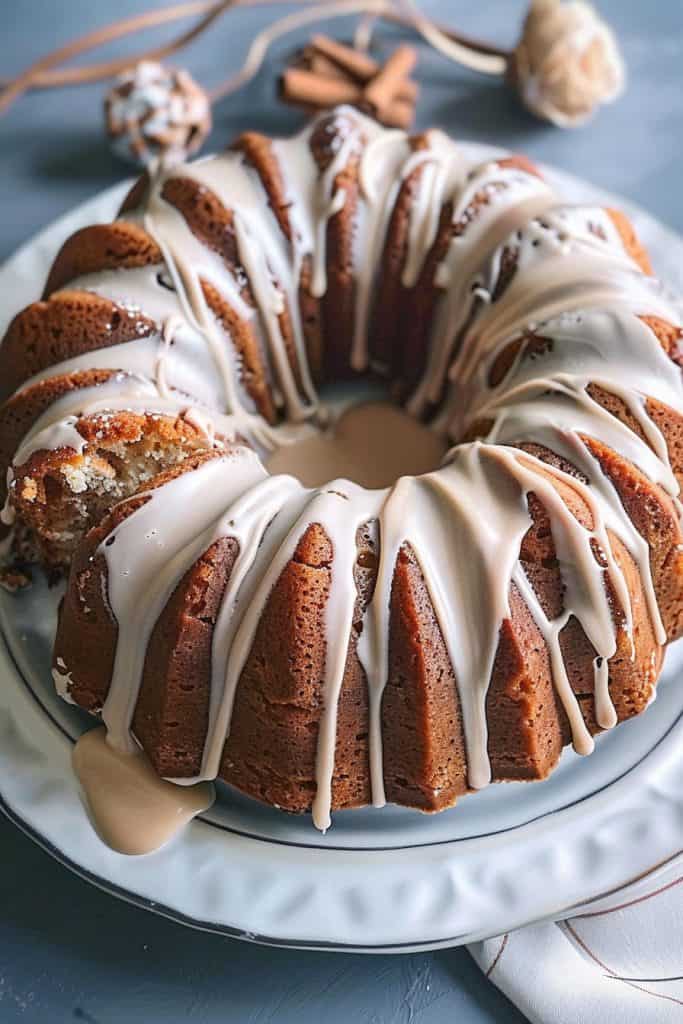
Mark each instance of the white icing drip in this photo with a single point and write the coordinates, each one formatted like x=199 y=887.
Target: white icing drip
x=147 y=554
x=205 y=423
x=330 y=200
x=566 y=441
x=272 y=305
x=508 y=208
x=380 y=172
x=311 y=195
x=183 y=255
x=169 y=327
x=256 y=522
x=605 y=712
x=169 y=230
x=443 y=173
x=266 y=263
x=561 y=268
x=187 y=365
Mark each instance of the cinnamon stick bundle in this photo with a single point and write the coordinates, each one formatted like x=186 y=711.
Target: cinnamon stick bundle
x=329 y=73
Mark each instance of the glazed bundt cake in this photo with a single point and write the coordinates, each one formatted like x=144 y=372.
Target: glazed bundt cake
x=329 y=646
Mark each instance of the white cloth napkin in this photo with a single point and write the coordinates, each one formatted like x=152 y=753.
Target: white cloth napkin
x=617 y=961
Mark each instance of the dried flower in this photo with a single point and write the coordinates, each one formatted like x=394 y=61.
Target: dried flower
x=153 y=111
x=567 y=62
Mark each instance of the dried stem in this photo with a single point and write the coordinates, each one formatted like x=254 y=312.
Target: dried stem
x=45 y=73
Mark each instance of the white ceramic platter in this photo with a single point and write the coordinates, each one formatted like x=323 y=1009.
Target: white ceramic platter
x=389 y=880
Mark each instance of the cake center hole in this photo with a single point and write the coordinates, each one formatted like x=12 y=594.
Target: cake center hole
x=372 y=444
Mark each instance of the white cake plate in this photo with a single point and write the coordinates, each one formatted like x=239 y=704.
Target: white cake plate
x=389 y=880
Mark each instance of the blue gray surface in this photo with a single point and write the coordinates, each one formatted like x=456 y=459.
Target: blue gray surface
x=67 y=951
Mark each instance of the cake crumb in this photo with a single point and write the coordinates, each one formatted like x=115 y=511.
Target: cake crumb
x=13 y=579
x=29 y=489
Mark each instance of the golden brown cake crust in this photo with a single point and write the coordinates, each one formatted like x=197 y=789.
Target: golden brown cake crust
x=425 y=763
x=66 y=325
x=121 y=245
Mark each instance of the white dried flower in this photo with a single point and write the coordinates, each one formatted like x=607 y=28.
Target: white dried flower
x=154 y=111
x=567 y=62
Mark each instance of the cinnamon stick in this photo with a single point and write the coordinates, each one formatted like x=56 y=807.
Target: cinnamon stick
x=330 y=73
x=379 y=93
x=398 y=114
x=300 y=86
x=321 y=65
x=316 y=92
x=359 y=65
x=407 y=89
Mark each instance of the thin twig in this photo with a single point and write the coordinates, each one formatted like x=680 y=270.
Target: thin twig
x=453 y=46
x=470 y=42
x=44 y=73
x=104 y=35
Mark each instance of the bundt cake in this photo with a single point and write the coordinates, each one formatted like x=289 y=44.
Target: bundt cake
x=330 y=645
